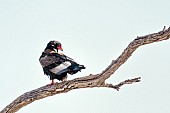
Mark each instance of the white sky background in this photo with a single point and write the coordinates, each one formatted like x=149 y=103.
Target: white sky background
x=93 y=32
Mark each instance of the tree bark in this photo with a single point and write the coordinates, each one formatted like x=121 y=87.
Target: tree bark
x=97 y=80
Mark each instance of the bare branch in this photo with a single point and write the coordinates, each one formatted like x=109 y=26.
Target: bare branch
x=90 y=81
x=164 y=28
x=117 y=87
x=139 y=41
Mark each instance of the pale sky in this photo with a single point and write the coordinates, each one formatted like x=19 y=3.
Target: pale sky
x=93 y=33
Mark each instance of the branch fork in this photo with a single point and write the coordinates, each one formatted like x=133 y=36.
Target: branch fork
x=97 y=80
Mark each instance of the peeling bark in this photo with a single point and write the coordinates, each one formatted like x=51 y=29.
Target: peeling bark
x=91 y=81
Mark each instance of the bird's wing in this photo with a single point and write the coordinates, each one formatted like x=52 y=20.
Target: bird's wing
x=48 y=60
x=54 y=63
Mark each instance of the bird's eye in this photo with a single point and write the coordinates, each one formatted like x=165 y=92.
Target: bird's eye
x=58 y=44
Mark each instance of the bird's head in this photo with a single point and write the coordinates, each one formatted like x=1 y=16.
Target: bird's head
x=54 y=46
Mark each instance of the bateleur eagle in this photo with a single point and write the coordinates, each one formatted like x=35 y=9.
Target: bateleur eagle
x=57 y=65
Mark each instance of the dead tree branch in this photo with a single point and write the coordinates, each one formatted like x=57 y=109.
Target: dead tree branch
x=91 y=81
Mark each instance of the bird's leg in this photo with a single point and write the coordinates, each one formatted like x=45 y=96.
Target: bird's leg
x=52 y=82
x=64 y=79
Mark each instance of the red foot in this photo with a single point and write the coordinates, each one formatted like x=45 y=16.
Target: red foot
x=52 y=82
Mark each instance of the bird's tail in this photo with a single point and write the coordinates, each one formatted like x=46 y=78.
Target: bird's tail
x=74 y=68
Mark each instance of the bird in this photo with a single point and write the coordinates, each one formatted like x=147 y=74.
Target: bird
x=57 y=65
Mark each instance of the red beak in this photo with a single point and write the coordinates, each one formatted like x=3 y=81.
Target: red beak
x=60 y=48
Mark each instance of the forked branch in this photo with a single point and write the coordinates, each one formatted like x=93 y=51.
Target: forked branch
x=91 y=81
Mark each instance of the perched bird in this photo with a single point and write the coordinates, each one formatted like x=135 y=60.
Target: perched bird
x=57 y=65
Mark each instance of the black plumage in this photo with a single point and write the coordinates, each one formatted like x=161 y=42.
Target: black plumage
x=56 y=65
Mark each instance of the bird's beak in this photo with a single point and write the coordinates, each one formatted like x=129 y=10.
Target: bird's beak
x=60 y=48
